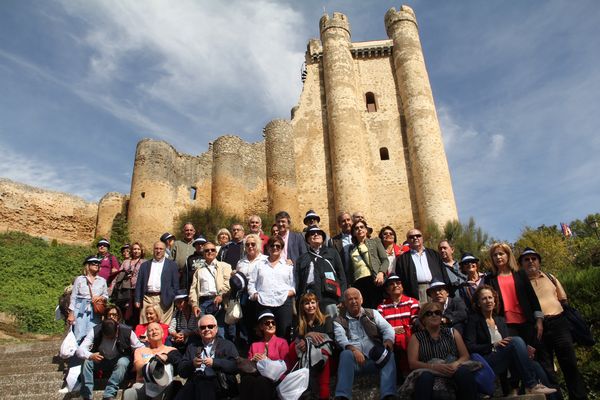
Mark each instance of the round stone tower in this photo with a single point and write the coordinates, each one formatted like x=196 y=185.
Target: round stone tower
x=227 y=194
x=281 y=168
x=153 y=195
x=347 y=133
x=429 y=167
x=109 y=206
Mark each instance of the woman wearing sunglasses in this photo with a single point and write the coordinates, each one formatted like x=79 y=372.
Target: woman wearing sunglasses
x=438 y=353
x=271 y=347
x=271 y=286
x=487 y=334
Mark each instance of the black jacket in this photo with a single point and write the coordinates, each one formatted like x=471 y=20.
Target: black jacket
x=224 y=359
x=456 y=313
x=406 y=270
x=525 y=294
x=123 y=343
x=477 y=335
x=325 y=261
x=336 y=244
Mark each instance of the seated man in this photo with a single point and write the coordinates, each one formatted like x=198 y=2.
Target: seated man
x=401 y=312
x=107 y=347
x=203 y=361
x=360 y=332
x=455 y=310
x=168 y=355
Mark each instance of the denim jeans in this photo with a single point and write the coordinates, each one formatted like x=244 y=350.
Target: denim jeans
x=513 y=355
x=117 y=367
x=348 y=367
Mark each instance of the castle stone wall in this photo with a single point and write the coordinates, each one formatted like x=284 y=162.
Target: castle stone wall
x=45 y=213
x=109 y=206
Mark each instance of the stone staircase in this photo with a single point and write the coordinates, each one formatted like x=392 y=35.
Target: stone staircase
x=33 y=371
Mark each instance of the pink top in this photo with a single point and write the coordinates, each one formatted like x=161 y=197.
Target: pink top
x=278 y=348
x=512 y=310
x=141 y=329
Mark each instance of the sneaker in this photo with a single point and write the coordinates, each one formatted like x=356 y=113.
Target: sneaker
x=540 y=389
x=64 y=390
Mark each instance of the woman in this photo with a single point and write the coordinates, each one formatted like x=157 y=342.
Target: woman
x=487 y=334
x=439 y=352
x=87 y=288
x=469 y=266
x=125 y=252
x=123 y=286
x=184 y=323
x=153 y=314
x=252 y=255
x=517 y=301
x=387 y=235
x=223 y=237
x=369 y=265
x=271 y=286
x=271 y=347
x=318 y=328
x=109 y=264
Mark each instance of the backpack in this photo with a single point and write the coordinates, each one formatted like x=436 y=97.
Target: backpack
x=64 y=300
x=122 y=289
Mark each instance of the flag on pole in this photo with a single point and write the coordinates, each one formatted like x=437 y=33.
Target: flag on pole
x=566 y=230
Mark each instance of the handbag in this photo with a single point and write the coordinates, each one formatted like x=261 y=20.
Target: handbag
x=68 y=345
x=99 y=304
x=234 y=311
x=271 y=369
x=293 y=385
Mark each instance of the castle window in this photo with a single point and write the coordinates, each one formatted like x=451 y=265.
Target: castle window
x=384 y=154
x=370 y=98
x=143 y=194
x=193 y=192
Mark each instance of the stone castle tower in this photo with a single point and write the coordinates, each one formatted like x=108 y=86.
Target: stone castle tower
x=364 y=136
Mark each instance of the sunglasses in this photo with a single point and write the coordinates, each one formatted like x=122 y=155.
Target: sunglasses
x=205 y=327
x=413 y=237
x=250 y=244
x=314 y=234
x=210 y=250
x=269 y=323
x=528 y=259
x=388 y=234
x=102 y=245
x=276 y=246
x=436 y=313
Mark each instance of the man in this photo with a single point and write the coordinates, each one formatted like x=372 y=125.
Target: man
x=320 y=271
x=157 y=283
x=234 y=250
x=454 y=312
x=169 y=241
x=456 y=277
x=201 y=363
x=182 y=249
x=192 y=263
x=107 y=347
x=255 y=226
x=209 y=285
x=401 y=312
x=556 y=337
x=360 y=332
x=418 y=267
x=167 y=354
x=343 y=241
x=294 y=242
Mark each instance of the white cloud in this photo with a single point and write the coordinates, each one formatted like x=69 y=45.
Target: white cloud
x=496 y=145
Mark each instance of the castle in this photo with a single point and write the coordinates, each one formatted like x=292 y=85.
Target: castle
x=364 y=136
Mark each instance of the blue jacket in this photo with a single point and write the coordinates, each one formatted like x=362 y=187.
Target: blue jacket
x=169 y=282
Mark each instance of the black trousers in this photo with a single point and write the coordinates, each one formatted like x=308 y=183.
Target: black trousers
x=557 y=340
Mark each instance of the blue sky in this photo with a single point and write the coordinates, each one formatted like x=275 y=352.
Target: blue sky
x=516 y=84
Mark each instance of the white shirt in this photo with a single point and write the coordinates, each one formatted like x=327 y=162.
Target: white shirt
x=346 y=243
x=207 y=275
x=422 y=266
x=156 y=269
x=272 y=283
x=246 y=267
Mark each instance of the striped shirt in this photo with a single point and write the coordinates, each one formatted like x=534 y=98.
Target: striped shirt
x=401 y=314
x=443 y=348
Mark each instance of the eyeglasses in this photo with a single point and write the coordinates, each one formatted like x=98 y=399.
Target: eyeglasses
x=250 y=244
x=413 y=237
x=205 y=327
x=357 y=227
x=210 y=250
x=388 y=233
x=530 y=259
x=437 y=313
x=269 y=322
x=112 y=314
x=276 y=246
x=395 y=283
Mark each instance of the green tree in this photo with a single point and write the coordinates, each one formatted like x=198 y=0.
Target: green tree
x=550 y=243
x=464 y=237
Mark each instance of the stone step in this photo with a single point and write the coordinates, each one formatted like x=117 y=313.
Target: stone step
x=32 y=360
x=27 y=368
x=54 y=396
x=31 y=376
x=29 y=353
x=11 y=348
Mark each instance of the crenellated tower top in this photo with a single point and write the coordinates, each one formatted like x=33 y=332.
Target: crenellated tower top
x=404 y=14
x=338 y=20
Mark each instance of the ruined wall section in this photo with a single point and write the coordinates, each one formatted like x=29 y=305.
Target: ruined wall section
x=387 y=178
x=109 y=206
x=194 y=184
x=239 y=185
x=45 y=213
x=311 y=143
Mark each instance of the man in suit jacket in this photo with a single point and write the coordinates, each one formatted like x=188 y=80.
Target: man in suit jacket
x=158 y=281
x=418 y=267
x=294 y=241
x=342 y=242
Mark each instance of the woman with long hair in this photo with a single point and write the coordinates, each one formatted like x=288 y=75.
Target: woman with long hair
x=87 y=288
x=123 y=285
x=388 y=238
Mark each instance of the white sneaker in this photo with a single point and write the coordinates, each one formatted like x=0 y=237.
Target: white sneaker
x=540 y=389
x=63 y=390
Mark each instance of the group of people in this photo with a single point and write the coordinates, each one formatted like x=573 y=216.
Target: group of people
x=351 y=304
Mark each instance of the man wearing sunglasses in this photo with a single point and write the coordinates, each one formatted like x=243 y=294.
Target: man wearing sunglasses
x=209 y=285
x=203 y=361
x=418 y=267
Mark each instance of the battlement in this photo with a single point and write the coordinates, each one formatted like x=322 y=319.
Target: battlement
x=405 y=13
x=338 y=20
x=368 y=49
